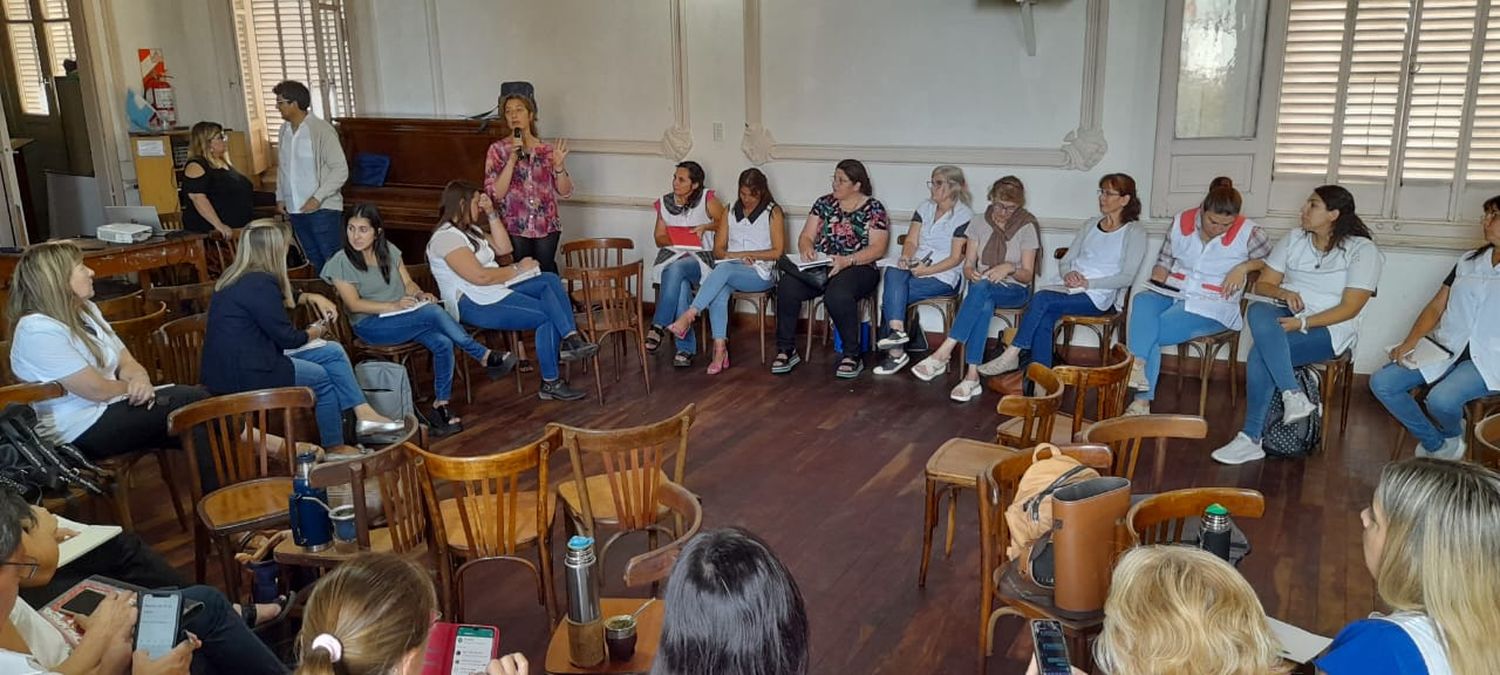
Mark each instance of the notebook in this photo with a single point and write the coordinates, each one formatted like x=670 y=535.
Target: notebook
x=684 y=238
x=522 y=275
x=413 y=308
x=1426 y=352
x=89 y=537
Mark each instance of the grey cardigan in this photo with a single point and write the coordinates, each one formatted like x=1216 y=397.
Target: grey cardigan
x=333 y=169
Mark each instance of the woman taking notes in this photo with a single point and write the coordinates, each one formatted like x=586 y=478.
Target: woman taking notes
x=757 y=236
x=690 y=215
x=479 y=292
x=1324 y=272
x=1462 y=320
x=387 y=308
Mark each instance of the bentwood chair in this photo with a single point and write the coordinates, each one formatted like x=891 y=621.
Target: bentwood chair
x=1486 y=448
x=1125 y=437
x=1107 y=327
x=1105 y=385
x=1338 y=377
x=184 y=299
x=612 y=307
x=138 y=335
x=179 y=344
x=1162 y=518
x=1208 y=348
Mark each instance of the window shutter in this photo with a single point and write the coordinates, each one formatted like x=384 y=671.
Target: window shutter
x=302 y=40
x=1484 y=141
x=1373 y=89
x=1309 y=87
x=28 y=66
x=1439 y=89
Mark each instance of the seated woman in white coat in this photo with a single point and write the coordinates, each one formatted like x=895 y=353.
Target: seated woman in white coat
x=1323 y=274
x=1196 y=284
x=1454 y=347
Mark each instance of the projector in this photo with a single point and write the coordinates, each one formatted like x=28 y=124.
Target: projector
x=124 y=233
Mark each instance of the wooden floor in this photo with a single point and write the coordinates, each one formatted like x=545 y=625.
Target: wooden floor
x=830 y=473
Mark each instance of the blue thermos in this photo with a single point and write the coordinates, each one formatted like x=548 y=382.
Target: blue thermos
x=307 y=507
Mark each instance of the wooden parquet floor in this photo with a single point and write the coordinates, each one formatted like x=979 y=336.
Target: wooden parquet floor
x=830 y=473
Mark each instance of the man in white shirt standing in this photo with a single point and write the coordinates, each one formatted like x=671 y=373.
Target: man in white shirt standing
x=309 y=174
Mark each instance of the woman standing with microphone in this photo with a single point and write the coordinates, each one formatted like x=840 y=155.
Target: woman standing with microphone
x=524 y=177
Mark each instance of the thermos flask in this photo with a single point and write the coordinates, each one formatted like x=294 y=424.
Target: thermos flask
x=307 y=507
x=585 y=626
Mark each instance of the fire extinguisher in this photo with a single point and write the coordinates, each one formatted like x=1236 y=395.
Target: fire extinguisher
x=157 y=88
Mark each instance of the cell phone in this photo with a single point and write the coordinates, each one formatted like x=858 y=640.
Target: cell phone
x=1051 y=647
x=158 y=623
x=84 y=603
x=473 y=648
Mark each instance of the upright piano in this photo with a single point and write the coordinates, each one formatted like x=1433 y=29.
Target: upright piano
x=426 y=153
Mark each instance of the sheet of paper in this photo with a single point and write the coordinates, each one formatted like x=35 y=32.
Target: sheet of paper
x=89 y=538
x=153 y=147
x=1297 y=644
x=412 y=308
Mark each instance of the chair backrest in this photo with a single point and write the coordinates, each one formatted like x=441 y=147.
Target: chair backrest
x=486 y=492
x=612 y=296
x=6 y=375
x=122 y=307
x=1107 y=383
x=1486 y=448
x=1126 y=435
x=185 y=299
x=396 y=470
x=1160 y=518
x=421 y=274
x=238 y=429
x=30 y=392
x=179 y=349
x=997 y=488
x=137 y=333
x=304 y=314
x=597 y=252
x=634 y=460
x=656 y=564
x=1037 y=413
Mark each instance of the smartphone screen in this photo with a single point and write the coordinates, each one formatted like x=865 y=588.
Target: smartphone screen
x=84 y=603
x=156 y=625
x=1051 y=647
x=473 y=646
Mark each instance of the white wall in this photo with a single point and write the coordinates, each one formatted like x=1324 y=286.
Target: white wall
x=834 y=72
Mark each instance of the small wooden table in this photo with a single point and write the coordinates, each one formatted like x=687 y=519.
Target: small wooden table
x=647 y=633
x=109 y=260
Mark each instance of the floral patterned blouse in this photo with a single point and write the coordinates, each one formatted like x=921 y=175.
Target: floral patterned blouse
x=529 y=207
x=845 y=232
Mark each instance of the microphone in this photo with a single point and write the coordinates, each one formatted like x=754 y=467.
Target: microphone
x=516 y=134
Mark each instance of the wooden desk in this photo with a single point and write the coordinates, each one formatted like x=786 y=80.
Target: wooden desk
x=116 y=259
x=647 y=633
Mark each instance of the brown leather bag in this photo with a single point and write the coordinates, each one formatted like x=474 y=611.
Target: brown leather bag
x=1085 y=517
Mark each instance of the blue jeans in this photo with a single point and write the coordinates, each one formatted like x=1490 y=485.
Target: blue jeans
x=326 y=370
x=1157 y=321
x=971 y=327
x=228 y=644
x=540 y=304
x=1269 y=369
x=676 y=292
x=1446 y=398
x=321 y=234
x=433 y=328
x=713 y=294
x=1040 y=319
x=902 y=289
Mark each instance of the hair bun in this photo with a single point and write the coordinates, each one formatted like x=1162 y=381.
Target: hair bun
x=1221 y=182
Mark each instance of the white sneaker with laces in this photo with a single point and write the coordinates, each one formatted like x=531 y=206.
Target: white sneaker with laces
x=1139 y=406
x=1138 y=380
x=1004 y=363
x=966 y=391
x=1239 y=451
x=896 y=338
x=1454 y=449
x=1296 y=407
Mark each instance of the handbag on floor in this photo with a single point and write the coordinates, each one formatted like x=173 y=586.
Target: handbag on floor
x=387 y=388
x=1300 y=438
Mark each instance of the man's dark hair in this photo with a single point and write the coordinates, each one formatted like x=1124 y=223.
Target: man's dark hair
x=296 y=92
x=15 y=519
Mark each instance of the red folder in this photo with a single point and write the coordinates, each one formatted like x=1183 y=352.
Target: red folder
x=684 y=236
x=439 y=655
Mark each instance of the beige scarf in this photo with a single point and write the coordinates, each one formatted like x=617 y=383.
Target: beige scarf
x=995 y=245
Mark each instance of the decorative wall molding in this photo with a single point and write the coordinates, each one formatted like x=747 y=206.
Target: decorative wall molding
x=677 y=140
x=1081 y=148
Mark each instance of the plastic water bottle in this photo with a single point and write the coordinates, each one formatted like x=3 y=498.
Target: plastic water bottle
x=1214 y=534
x=585 y=626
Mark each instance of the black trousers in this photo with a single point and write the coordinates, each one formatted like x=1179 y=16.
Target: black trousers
x=840 y=298
x=127 y=428
x=544 y=250
x=124 y=558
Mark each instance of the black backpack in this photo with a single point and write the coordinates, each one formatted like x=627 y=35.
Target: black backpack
x=34 y=467
x=1300 y=438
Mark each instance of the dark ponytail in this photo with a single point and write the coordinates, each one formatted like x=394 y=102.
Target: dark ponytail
x=1348 y=224
x=1222 y=198
x=695 y=175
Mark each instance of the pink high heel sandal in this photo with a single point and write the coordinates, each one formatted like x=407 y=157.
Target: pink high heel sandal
x=719 y=366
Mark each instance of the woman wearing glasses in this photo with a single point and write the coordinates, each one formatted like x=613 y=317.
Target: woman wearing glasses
x=1099 y=267
x=216 y=199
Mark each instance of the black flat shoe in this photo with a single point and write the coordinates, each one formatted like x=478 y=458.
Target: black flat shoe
x=499 y=364
x=440 y=422
x=575 y=348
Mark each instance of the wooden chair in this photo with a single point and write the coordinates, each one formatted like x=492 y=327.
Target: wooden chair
x=1474 y=411
x=1337 y=372
x=635 y=462
x=395 y=473
x=1107 y=326
x=1011 y=316
x=220 y=251
x=303 y=314
x=183 y=300
x=1125 y=437
x=946 y=305
x=762 y=301
x=179 y=347
x=488 y=517
x=1161 y=518
x=239 y=430
x=138 y=334
x=1486 y=447
x=656 y=565
x=122 y=307
x=1208 y=347
x=869 y=311
x=955 y=464
x=303 y=272
x=596 y=253
x=1107 y=383
x=612 y=302
x=999 y=578
x=7 y=377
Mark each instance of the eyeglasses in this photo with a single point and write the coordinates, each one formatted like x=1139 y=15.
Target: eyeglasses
x=938 y=183
x=1110 y=193
x=839 y=181
x=28 y=568
x=222 y=135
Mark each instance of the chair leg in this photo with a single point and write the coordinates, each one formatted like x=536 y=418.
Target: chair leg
x=200 y=552
x=230 y=569
x=952 y=521
x=1234 y=372
x=1329 y=387
x=1206 y=358
x=640 y=344
x=164 y=461
x=929 y=521
x=598 y=379
x=120 y=500
x=760 y=311
x=1344 y=406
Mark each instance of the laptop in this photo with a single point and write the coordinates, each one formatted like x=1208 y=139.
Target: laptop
x=139 y=215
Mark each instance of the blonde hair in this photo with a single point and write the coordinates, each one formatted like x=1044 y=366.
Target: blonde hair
x=42 y=285
x=199 y=139
x=262 y=248
x=1177 y=609
x=1442 y=554
x=1008 y=189
x=955 y=176
x=378 y=606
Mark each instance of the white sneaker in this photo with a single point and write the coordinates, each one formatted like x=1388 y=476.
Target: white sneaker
x=1004 y=363
x=1139 y=406
x=930 y=368
x=1138 y=380
x=1295 y=406
x=1239 y=451
x=896 y=338
x=1454 y=449
x=966 y=391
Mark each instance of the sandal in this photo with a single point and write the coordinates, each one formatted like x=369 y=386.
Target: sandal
x=719 y=365
x=785 y=362
x=654 y=338
x=849 y=368
x=249 y=614
x=682 y=360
